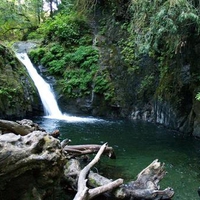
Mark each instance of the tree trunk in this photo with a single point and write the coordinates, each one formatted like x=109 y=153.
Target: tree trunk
x=22 y=127
x=29 y=165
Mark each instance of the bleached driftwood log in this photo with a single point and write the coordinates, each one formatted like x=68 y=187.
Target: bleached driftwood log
x=79 y=150
x=29 y=165
x=22 y=127
x=144 y=187
x=84 y=193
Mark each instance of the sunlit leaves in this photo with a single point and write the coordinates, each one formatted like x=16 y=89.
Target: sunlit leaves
x=67 y=29
x=17 y=17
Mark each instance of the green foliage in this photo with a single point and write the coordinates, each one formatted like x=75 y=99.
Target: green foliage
x=128 y=51
x=162 y=30
x=34 y=35
x=4 y=92
x=146 y=83
x=56 y=67
x=83 y=75
x=85 y=6
x=37 y=54
x=103 y=85
x=52 y=57
x=77 y=83
x=131 y=60
x=80 y=69
x=8 y=92
x=163 y=25
x=17 y=18
x=198 y=96
x=48 y=57
x=84 y=57
x=66 y=29
x=69 y=54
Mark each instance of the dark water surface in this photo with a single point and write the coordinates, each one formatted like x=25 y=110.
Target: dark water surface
x=136 y=145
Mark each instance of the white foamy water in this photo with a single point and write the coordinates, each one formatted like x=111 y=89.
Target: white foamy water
x=46 y=94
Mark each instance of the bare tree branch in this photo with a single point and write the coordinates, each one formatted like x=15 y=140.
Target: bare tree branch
x=84 y=193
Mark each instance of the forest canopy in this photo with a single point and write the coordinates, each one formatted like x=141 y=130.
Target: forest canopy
x=151 y=22
x=19 y=17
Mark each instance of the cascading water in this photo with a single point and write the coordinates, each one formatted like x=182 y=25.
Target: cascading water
x=46 y=94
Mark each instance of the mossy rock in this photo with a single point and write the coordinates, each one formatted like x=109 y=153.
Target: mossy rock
x=18 y=95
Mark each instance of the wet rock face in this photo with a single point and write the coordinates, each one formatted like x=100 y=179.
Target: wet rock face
x=196 y=126
x=18 y=95
x=170 y=94
x=24 y=46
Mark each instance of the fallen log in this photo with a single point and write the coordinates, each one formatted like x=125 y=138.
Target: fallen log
x=29 y=165
x=34 y=163
x=84 y=193
x=144 y=187
x=79 y=150
x=22 y=127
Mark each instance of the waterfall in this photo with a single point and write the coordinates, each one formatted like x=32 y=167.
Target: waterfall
x=46 y=93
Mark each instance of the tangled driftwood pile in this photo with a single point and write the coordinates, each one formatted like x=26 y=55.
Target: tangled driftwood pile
x=34 y=165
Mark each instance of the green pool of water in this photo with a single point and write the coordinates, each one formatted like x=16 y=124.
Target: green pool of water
x=136 y=145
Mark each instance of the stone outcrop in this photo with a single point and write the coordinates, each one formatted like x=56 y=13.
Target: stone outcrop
x=146 y=89
x=18 y=95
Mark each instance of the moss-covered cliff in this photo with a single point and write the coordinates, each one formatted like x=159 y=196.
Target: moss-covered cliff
x=18 y=96
x=151 y=53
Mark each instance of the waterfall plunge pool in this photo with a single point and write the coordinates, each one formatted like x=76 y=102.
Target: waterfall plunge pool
x=136 y=145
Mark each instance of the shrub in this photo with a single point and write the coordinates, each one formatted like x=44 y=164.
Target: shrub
x=37 y=54
x=65 y=29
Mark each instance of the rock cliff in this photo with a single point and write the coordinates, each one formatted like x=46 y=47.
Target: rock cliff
x=18 y=95
x=159 y=88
